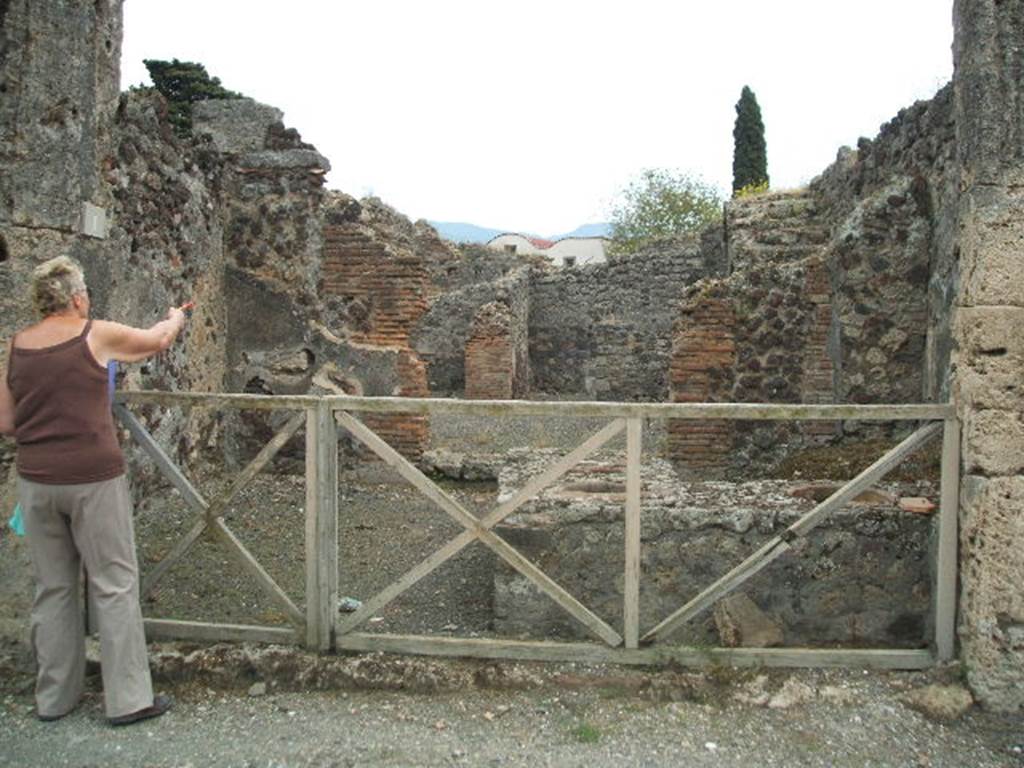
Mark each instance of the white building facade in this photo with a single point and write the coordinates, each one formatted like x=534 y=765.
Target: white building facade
x=567 y=252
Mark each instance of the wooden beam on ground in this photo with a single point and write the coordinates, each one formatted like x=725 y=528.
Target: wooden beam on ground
x=167 y=629
x=779 y=544
x=508 y=553
x=592 y=653
x=631 y=579
x=321 y=527
x=946 y=555
x=250 y=564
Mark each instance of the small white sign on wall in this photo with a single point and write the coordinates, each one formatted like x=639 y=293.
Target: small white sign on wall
x=94 y=221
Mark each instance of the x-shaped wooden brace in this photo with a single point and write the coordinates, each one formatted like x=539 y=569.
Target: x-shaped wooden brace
x=782 y=543
x=210 y=512
x=480 y=528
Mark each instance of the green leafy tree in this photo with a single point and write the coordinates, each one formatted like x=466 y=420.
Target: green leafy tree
x=183 y=83
x=750 y=155
x=660 y=203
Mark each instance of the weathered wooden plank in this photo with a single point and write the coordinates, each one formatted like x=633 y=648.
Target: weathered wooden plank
x=321 y=526
x=778 y=546
x=592 y=653
x=218 y=400
x=254 y=467
x=163 y=462
x=946 y=555
x=168 y=629
x=179 y=551
x=422 y=483
x=631 y=579
x=745 y=411
x=250 y=564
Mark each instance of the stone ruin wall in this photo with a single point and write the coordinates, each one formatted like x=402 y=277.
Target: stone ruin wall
x=603 y=331
x=861 y=578
x=891 y=208
x=72 y=145
x=988 y=357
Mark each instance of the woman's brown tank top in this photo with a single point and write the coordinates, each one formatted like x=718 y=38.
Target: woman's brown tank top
x=62 y=420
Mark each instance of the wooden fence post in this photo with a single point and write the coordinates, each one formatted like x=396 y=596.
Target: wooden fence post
x=321 y=526
x=946 y=557
x=631 y=580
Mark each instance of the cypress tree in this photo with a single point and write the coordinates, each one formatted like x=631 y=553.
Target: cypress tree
x=750 y=156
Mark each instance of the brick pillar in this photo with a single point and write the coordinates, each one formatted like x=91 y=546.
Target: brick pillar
x=816 y=385
x=490 y=355
x=386 y=293
x=701 y=370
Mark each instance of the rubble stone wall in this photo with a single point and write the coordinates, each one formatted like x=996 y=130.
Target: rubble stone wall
x=759 y=335
x=604 y=330
x=891 y=207
x=443 y=333
x=859 y=579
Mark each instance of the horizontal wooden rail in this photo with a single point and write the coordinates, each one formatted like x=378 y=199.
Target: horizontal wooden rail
x=169 y=629
x=570 y=408
x=593 y=653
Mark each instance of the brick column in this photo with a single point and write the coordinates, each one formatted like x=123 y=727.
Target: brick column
x=389 y=292
x=490 y=355
x=817 y=385
x=701 y=370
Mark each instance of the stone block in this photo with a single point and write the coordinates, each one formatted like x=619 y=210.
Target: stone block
x=992 y=253
x=994 y=442
x=991 y=358
x=234 y=125
x=992 y=604
x=741 y=624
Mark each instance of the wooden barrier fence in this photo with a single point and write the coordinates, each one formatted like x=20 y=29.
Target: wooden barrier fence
x=319 y=627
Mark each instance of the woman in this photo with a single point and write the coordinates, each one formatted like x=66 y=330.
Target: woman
x=73 y=493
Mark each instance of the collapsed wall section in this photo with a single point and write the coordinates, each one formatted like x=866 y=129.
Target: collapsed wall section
x=443 y=337
x=891 y=206
x=860 y=579
x=759 y=336
x=375 y=285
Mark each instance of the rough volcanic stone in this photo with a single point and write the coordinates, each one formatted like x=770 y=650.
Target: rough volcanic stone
x=992 y=603
x=234 y=125
x=741 y=624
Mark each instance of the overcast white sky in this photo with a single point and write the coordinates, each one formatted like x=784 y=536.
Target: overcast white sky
x=530 y=116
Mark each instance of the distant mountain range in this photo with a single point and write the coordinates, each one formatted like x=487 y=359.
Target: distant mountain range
x=461 y=232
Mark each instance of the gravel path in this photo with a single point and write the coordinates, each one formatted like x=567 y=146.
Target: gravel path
x=851 y=719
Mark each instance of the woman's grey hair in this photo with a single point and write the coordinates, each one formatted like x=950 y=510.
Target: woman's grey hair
x=54 y=282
